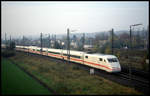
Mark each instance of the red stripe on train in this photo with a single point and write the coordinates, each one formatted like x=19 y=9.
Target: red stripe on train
x=92 y=63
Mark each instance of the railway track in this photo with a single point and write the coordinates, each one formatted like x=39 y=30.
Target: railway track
x=139 y=83
x=135 y=82
x=134 y=79
x=136 y=72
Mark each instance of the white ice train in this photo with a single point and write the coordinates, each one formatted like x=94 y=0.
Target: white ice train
x=109 y=63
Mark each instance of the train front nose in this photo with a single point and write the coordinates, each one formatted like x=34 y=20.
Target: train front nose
x=116 y=67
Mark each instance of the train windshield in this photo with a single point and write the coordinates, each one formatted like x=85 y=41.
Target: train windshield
x=112 y=59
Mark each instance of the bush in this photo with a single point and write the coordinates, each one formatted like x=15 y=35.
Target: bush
x=61 y=88
x=107 y=50
x=12 y=45
x=43 y=69
x=75 y=68
x=144 y=65
x=118 y=54
x=8 y=53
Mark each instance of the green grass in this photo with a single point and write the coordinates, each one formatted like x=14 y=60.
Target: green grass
x=15 y=81
x=69 y=79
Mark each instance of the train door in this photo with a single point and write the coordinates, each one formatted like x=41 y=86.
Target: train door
x=85 y=57
x=86 y=60
x=47 y=52
x=61 y=54
x=101 y=61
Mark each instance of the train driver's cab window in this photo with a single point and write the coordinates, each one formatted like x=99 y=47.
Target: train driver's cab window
x=86 y=56
x=100 y=59
x=111 y=60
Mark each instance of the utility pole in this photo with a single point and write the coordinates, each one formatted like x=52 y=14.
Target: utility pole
x=68 y=45
x=148 y=39
x=5 y=40
x=23 y=40
x=130 y=39
x=10 y=38
x=10 y=41
x=41 y=43
x=49 y=40
x=138 y=38
x=130 y=51
x=52 y=41
x=112 y=50
x=144 y=41
x=130 y=65
x=55 y=41
x=83 y=40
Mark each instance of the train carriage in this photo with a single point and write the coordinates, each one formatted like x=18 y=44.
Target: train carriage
x=54 y=53
x=26 y=48
x=33 y=49
x=76 y=56
x=109 y=63
x=38 y=50
x=44 y=51
x=19 y=48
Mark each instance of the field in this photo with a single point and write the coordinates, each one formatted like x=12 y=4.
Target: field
x=16 y=82
x=69 y=79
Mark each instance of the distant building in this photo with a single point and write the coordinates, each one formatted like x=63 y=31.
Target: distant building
x=59 y=41
x=88 y=47
x=74 y=44
x=62 y=43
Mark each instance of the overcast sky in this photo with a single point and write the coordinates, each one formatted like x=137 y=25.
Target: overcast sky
x=32 y=18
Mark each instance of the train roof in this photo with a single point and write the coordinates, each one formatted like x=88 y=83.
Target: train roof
x=73 y=52
x=102 y=55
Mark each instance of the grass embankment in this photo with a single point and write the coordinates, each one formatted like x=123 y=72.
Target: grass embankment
x=68 y=79
x=16 y=82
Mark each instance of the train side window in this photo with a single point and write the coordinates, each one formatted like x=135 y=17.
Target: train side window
x=100 y=59
x=104 y=60
x=75 y=56
x=65 y=54
x=53 y=52
x=86 y=56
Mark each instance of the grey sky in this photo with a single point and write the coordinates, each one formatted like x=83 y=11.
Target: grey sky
x=32 y=18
